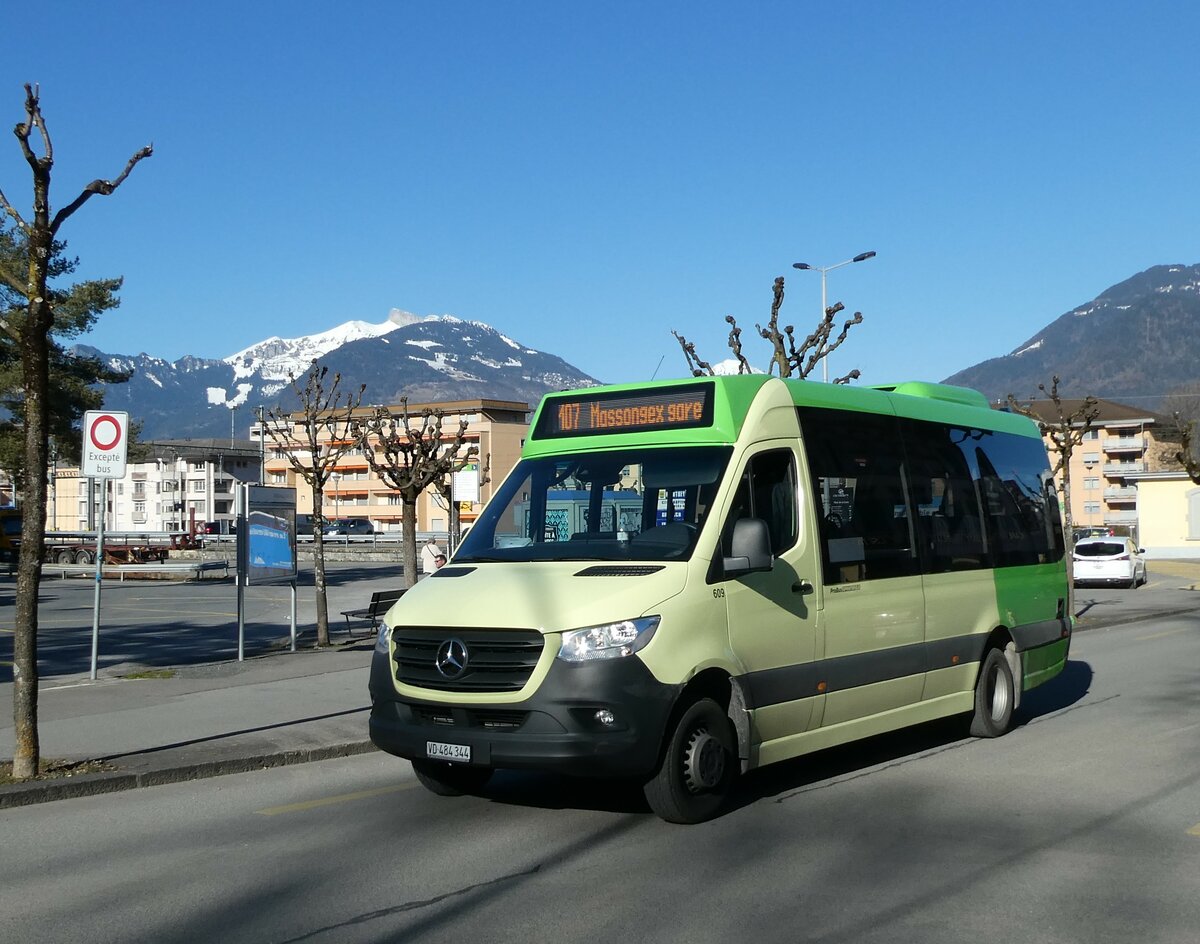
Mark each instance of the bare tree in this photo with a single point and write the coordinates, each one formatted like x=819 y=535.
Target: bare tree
x=411 y=453
x=1185 y=455
x=324 y=423
x=31 y=326
x=786 y=357
x=1065 y=431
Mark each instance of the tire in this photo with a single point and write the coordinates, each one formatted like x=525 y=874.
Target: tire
x=995 y=696
x=448 y=780
x=698 y=767
x=84 y=557
x=64 y=557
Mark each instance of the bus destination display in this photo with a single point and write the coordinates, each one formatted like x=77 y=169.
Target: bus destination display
x=675 y=408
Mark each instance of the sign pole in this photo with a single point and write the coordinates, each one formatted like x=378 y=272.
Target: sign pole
x=242 y=541
x=99 y=576
x=105 y=446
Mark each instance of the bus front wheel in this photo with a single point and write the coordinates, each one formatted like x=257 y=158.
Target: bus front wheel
x=447 y=779
x=995 y=696
x=698 y=766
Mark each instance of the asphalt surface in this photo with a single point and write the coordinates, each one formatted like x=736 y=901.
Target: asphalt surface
x=280 y=707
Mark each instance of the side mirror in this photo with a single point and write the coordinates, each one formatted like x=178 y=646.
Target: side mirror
x=750 y=549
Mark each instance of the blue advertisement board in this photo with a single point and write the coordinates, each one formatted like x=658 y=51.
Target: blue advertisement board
x=267 y=535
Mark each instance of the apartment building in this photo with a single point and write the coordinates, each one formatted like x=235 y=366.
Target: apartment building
x=497 y=427
x=1122 y=443
x=182 y=484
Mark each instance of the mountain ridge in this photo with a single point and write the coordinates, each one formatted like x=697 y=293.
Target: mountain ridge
x=426 y=359
x=1138 y=339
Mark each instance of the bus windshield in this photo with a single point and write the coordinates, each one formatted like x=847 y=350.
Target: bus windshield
x=638 y=504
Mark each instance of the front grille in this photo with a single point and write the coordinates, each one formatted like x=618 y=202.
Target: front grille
x=489 y=718
x=498 y=660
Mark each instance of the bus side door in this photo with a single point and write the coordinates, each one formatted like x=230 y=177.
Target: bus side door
x=772 y=619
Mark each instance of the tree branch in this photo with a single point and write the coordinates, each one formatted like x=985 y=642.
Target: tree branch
x=103 y=187
x=698 y=367
x=11 y=211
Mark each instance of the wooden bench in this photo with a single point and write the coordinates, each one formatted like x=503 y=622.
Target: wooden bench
x=373 y=612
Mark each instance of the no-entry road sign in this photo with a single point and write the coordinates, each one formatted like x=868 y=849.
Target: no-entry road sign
x=105 y=444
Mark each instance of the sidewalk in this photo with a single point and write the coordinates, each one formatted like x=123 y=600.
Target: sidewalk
x=282 y=708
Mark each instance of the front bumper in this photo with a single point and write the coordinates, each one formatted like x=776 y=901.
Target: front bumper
x=554 y=729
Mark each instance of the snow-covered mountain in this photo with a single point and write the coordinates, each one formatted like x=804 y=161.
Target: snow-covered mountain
x=427 y=359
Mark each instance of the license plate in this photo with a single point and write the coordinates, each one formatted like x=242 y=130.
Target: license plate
x=458 y=753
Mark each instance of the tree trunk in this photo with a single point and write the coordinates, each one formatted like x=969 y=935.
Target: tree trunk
x=35 y=357
x=319 y=567
x=1068 y=536
x=409 y=536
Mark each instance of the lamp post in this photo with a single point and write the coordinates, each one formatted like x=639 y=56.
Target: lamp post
x=337 y=495
x=861 y=257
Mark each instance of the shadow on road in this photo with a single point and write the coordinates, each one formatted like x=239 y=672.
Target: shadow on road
x=812 y=771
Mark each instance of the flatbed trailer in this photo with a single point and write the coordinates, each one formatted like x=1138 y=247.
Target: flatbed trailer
x=120 y=547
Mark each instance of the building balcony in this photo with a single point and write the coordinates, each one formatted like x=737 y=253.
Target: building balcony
x=1123 y=468
x=1120 y=517
x=1126 y=494
x=1125 y=444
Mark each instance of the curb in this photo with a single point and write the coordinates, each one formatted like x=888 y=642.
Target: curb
x=65 y=788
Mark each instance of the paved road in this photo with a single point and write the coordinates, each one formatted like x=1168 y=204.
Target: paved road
x=167 y=623
x=1082 y=825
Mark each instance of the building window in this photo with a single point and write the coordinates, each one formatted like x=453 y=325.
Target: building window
x=139 y=507
x=1091 y=508
x=1091 y=434
x=1091 y=458
x=199 y=486
x=1092 y=483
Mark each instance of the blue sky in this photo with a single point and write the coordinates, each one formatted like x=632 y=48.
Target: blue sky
x=586 y=178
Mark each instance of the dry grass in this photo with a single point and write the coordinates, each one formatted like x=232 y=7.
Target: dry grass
x=55 y=769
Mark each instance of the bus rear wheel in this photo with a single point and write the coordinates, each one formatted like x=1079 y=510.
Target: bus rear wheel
x=698 y=766
x=447 y=779
x=995 y=696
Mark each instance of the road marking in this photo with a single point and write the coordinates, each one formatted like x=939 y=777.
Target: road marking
x=329 y=801
x=1170 y=632
x=1195 y=830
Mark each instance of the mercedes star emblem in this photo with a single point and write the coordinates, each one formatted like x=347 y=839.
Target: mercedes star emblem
x=451 y=659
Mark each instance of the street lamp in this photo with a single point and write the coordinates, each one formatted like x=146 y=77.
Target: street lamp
x=337 y=495
x=861 y=257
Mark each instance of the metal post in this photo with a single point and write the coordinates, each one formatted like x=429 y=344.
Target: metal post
x=293 y=616
x=262 y=449
x=824 y=308
x=242 y=538
x=99 y=577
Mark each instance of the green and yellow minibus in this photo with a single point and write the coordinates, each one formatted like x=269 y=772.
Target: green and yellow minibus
x=683 y=581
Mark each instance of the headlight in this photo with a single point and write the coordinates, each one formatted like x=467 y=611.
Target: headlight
x=381 y=640
x=610 y=641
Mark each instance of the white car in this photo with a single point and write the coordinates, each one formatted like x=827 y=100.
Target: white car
x=1109 y=560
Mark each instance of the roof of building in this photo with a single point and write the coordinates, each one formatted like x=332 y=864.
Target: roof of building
x=199 y=448
x=1109 y=412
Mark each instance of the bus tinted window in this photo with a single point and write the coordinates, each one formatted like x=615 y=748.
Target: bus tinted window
x=1019 y=501
x=857 y=468
x=944 y=482
x=982 y=498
